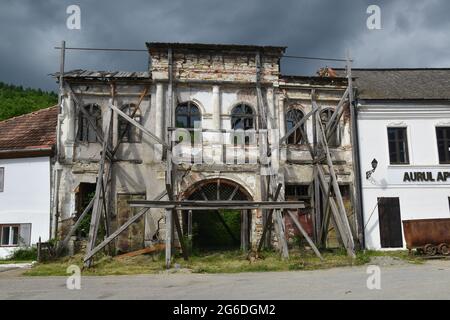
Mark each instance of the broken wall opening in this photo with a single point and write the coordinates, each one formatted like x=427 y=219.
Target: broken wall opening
x=217 y=230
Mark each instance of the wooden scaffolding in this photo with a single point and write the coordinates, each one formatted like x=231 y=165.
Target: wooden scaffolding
x=274 y=206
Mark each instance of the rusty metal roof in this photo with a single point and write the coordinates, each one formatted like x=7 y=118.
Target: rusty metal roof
x=105 y=75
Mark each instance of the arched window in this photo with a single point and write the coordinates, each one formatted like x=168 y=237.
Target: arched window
x=325 y=117
x=293 y=117
x=128 y=133
x=86 y=132
x=187 y=114
x=242 y=117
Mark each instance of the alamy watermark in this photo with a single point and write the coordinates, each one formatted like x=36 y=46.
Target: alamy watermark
x=374 y=20
x=73 y=21
x=73 y=282
x=374 y=280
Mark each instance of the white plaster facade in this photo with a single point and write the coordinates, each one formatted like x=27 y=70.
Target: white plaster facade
x=25 y=200
x=418 y=200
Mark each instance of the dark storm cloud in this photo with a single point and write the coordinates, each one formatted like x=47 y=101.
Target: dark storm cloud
x=415 y=33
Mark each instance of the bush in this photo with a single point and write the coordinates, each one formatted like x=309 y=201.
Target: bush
x=24 y=254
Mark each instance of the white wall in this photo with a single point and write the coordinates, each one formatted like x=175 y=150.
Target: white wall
x=418 y=200
x=26 y=196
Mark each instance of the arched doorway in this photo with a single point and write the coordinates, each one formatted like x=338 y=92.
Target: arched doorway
x=217 y=230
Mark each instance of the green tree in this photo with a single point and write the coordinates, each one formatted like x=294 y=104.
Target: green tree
x=15 y=100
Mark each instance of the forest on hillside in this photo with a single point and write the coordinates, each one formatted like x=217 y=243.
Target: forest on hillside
x=16 y=100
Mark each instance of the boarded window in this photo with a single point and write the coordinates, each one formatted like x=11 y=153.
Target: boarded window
x=398 y=146
x=2 y=179
x=443 y=140
x=131 y=239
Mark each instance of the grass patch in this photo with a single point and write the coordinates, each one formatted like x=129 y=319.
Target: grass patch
x=219 y=262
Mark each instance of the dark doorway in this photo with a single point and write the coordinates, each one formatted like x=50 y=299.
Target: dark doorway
x=390 y=223
x=217 y=230
x=83 y=196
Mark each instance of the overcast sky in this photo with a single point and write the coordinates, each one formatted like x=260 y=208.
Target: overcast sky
x=414 y=33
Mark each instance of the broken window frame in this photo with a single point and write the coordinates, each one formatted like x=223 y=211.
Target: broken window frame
x=294 y=116
x=86 y=133
x=398 y=146
x=334 y=140
x=243 y=117
x=443 y=144
x=127 y=132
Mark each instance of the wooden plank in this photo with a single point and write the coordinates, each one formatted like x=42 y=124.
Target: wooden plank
x=305 y=234
x=153 y=249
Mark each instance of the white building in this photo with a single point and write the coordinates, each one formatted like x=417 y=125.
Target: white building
x=26 y=154
x=403 y=124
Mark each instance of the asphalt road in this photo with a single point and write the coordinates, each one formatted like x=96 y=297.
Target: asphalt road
x=428 y=281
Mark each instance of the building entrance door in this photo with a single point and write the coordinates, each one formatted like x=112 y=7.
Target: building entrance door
x=390 y=223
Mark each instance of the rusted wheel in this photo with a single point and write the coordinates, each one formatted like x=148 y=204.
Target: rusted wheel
x=444 y=249
x=430 y=250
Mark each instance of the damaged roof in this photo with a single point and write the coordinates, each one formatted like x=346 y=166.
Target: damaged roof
x=105 y=75
x=402 y=84
x=314 y=80
x=215 y=47
x=31 y=134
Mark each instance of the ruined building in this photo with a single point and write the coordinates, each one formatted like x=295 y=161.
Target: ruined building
x=215 y=107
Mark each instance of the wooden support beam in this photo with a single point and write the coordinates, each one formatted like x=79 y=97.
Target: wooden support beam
x=169 y=230
x=189 y=223
x=244 y=230
x=305 y=235
x=269 y=219
x=115 y=234
x=96 y=211
x=137 y=124
x=121 y=229
x=281 y=235
x=184 y=249
x=216 y=205
x=137 y=108
x=298 y=125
